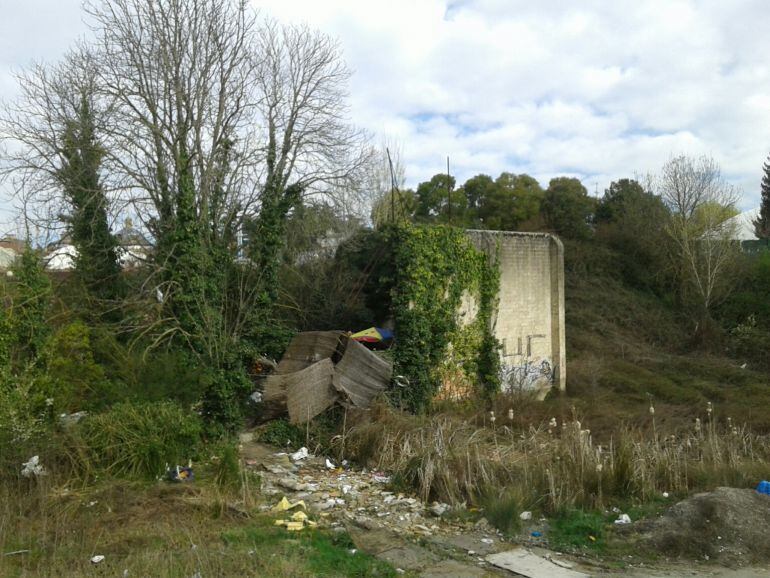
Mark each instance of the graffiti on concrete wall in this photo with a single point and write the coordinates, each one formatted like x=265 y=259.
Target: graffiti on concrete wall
x=521 y=370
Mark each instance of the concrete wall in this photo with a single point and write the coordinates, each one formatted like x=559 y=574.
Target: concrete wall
x=529 y=321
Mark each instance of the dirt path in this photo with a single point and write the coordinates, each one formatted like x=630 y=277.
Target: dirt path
x=413 y=536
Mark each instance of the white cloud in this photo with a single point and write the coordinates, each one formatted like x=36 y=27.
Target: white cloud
x=596 y=89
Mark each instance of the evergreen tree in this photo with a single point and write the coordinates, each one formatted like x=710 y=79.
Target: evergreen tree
x=762 y=222
x=96 y=265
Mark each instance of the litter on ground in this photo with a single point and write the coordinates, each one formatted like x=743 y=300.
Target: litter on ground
x=285 y=505
x=33 y=468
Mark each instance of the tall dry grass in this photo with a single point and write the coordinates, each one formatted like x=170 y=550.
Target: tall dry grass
x=555 y=465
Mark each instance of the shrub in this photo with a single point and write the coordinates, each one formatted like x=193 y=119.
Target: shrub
x=227 y=470
x=139 y=439
x=25 y=417
x=281 y=433
x=503 y=507
x=171 y=374
x=77 y=381
x=224 y=400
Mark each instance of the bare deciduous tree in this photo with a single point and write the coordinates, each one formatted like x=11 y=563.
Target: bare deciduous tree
x=32 y=130
x=181 y=76
x=208 y=116
x=701 y=229
x=310 y=146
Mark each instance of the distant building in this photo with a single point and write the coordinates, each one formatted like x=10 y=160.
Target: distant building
x=744 y=225
x=133 y=247
x=60 y=257
x=133 y=250
x=744 y=232
x=10 y=248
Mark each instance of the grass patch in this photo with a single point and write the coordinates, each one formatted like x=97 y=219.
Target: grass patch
x=140 y=439
x=325 y=553
x=577 y=529
x=161 y=530
x=502 y=509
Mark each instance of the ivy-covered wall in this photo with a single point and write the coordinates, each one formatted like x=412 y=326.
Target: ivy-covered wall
x=433 y=270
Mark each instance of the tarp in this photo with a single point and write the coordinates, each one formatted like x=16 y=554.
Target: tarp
x=373 y=335
x=361 y=374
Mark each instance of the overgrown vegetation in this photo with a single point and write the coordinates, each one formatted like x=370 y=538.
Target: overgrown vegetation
x=434 y=269
x=128 y=365
x=557 y=466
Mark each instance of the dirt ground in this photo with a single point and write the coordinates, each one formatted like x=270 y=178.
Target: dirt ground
x=728 y=525
x=726 y=530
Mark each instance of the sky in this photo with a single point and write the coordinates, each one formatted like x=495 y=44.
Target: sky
x=593 y=89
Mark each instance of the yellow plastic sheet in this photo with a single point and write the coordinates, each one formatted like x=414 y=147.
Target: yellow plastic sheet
x=285 y=505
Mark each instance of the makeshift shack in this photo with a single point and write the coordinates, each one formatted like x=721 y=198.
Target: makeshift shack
x=321 y=369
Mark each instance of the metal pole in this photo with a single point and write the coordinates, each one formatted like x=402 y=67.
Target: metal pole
x=448 y=190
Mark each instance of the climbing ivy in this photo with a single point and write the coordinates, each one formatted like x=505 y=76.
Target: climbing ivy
x=433 y=268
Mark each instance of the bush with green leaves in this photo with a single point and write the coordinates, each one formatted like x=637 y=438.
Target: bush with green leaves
x=76 y=380
x=30 y=309
x=141 y=439
x=281 y=433
x=224 y=400
x=435 y=267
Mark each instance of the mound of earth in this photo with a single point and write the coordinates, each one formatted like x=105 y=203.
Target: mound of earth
x=730 y=525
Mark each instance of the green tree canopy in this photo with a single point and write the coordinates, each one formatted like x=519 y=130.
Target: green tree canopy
x=621 y=196
x=433 y=196
x=516 y=198
x=633 y=222
x=567 y=208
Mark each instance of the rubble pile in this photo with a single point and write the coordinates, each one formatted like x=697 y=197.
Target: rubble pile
x=430 y=540
x=343 y=495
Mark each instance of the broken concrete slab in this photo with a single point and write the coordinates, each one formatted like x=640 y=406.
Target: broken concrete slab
x=374 y=541
x=525 y=563
x=468 y=543
x=390 y=547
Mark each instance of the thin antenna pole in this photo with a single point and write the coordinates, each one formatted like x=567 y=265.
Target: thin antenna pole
x=448 y=190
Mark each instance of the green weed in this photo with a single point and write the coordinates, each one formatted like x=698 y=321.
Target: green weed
x=140 y=439
x=502 y=509
x=325 y=554
x=573 y=529
x=281 y=433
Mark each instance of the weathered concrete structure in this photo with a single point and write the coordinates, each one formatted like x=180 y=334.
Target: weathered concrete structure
x=529 y=321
